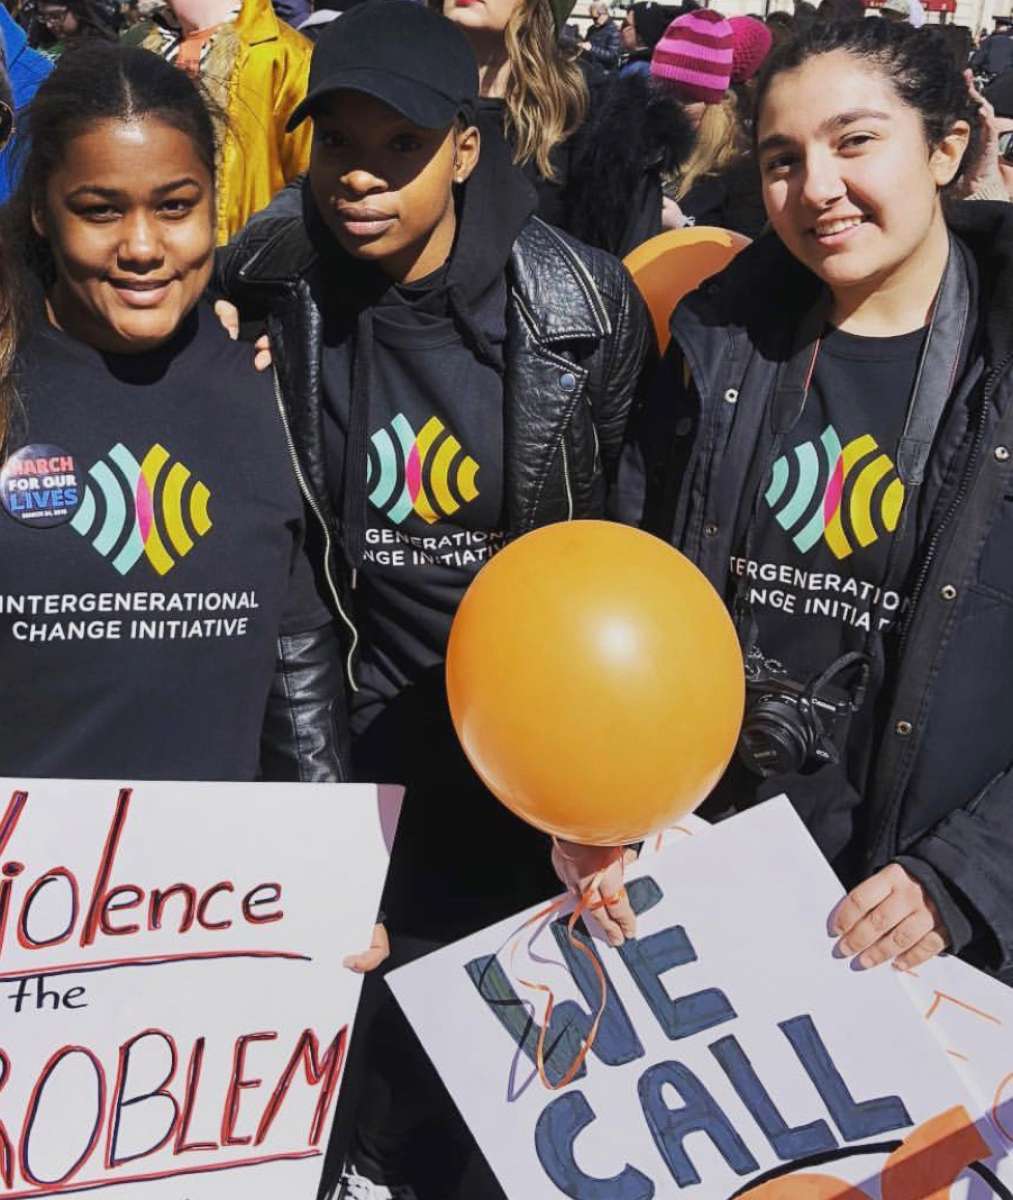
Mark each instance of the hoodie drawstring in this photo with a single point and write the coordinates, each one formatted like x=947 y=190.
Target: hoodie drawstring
x=353 y=512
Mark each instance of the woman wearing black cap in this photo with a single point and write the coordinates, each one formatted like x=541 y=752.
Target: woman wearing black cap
x=455 y=373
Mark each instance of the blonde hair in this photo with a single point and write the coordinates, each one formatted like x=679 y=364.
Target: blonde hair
x=719 y=141
x=546 y=96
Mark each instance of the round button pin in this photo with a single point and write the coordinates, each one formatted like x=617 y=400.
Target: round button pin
x=41 y=485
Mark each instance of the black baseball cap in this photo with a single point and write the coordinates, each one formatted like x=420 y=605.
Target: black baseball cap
x=400 y=52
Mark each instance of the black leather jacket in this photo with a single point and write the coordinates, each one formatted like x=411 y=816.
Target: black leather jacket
x=578 y=336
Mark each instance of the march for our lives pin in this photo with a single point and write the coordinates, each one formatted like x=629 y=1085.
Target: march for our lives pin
x=39 y=485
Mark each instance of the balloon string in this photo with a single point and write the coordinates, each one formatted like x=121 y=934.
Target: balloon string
x=583 y=905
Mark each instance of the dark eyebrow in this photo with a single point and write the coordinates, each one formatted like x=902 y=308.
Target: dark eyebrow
x=777 y=141
x=95 y=189
x=855 y=114
x=774 y=141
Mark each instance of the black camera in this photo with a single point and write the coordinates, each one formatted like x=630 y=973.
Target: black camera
x=791 y=725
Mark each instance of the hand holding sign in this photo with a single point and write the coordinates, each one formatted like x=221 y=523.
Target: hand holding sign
x=889 y=916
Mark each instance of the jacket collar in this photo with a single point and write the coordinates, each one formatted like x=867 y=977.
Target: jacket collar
x=12 y=37
x=558 y=295
x=257 y=23
x=560 y=304
x=765 y=288
x=986 y=228
x=284 y=256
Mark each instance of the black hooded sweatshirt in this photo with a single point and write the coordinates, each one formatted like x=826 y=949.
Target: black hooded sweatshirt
x=413 y=424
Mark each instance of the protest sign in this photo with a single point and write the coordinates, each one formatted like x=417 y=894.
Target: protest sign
x=971 y=1015
x=735 y=1054
x=172 y=995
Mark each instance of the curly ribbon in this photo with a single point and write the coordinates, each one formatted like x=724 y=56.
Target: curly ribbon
x=582 y=906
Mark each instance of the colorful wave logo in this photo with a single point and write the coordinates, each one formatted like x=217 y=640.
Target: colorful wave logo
x=428 y=474
x=839 y=494
x=141 y=509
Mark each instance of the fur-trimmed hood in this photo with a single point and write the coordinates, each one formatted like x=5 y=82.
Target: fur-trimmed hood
x=633 y=134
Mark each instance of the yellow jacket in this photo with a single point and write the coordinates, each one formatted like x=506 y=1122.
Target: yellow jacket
x=256 y=72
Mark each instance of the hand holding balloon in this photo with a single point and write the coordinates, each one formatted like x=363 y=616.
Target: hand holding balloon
x=596 y=872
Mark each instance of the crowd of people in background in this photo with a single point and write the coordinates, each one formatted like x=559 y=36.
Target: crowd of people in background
x=293 y=243
x=593 y=133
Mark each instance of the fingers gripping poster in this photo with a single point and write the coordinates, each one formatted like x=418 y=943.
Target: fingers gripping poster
x=735 y=1054
x=174 y=1015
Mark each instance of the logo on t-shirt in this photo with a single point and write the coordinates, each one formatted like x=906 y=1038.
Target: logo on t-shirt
x=850 y=496
x=426 y=473
x=132 y=509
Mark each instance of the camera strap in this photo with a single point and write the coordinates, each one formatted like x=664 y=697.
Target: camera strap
x=934 y=382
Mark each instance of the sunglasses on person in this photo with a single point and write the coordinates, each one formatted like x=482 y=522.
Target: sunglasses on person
x=52 y=17
x=1006 y=146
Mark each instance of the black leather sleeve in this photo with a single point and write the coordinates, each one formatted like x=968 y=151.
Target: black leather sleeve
x=629 y=358
x=305 y=736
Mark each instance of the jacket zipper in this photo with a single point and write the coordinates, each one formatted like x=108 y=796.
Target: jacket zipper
x=314 y=508
x=566 y=480
x=958 y=499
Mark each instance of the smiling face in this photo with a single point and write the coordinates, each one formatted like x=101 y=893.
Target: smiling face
x=129 y=221
x=850 y=183
x=485 y=16
x=384 y=186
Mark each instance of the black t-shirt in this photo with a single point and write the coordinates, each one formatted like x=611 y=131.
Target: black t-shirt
x=434 y=488
x=832 y=522
x=151 y=553
x=823 y=541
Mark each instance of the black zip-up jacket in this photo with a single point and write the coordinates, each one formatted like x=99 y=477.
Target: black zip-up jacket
x=605 y=45
x=938 y=796
x=578 y=336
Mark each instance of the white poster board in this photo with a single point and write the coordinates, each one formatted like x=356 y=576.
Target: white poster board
x=971 y=1016
x=734 y=1047
x=175 y=1015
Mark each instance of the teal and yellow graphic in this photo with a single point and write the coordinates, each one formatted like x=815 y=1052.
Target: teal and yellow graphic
x=849 y=496
x=148 y=508
x=427 y=474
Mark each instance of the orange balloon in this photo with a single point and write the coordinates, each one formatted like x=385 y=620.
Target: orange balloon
x=674 y=264
x=595 y=681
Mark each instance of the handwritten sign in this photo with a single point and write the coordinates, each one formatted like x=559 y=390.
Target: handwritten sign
x=734 y=1055
x=172 y=996
x=971 y=1015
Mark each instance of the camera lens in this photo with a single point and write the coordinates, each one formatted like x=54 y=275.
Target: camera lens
x=774 y=738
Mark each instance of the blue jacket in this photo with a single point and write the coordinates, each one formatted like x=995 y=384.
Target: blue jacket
x=26 y=69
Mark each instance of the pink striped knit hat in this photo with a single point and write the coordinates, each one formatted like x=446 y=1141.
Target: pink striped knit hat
x=695 y=56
